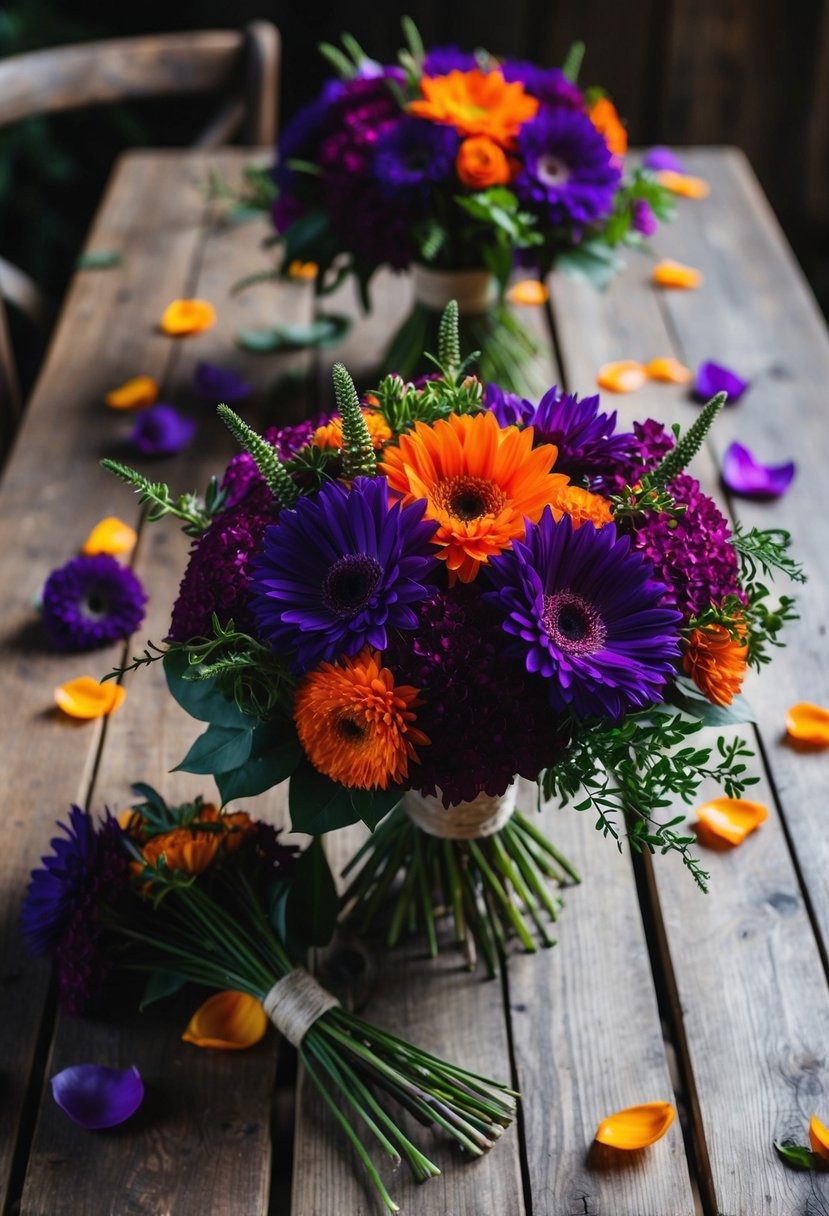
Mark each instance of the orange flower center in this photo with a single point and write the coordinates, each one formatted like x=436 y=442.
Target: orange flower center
x=466 y=498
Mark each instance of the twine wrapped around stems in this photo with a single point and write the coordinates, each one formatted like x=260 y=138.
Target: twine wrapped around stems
x=484 y=816
x=295 y=1002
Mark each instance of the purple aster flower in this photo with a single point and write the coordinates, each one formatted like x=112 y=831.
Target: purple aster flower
x=162 y=431
x=61 y=910
x=568 y=170
x=340 y=571
x=217 y=384
x=642 y=217
x=508 y=408
x=587 y=445
x=91 y=601
x=441 y=60
x=587 y=616
x=659 y=157
x=471 y=687
x=745 y=475
x=549 y=85
x=414 y=155
x=95 y=1097
x=714 y=378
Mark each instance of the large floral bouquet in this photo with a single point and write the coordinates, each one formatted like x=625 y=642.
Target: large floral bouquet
x=458 y=166
x=404 y=608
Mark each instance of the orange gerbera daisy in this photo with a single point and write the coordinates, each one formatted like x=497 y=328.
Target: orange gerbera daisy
x=716 y=662
x=355 y=726
x=479 y=480
x=476 y=103
x=331 y=435
x=606 y=120
x=183 y=849
x=581 y=505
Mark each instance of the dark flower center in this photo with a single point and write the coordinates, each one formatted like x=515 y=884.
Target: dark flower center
x=349 y=730
x=573 y=624
x=94 y=606
x=349 y=584
x=468 y=498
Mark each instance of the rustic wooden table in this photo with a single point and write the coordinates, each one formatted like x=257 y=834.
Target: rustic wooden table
x=654 y=991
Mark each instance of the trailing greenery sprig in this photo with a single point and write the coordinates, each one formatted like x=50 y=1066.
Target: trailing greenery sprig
x=768 y=549
x=276 y=476
x=195 y=512
x=358 y=448
x=687 y=445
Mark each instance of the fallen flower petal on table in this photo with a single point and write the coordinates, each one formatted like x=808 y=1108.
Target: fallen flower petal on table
x=162 y=431
x=819 y=1137
x=111 y=536
x=683 y=184
x=528 y=292
x=228 y=1020
x=744 y=474
x=660 y=157
x=713 y=378
x=808 y=723
x=187 y=317
x=636 y=1126
x=303 y=270
x=669 y=370
x=624 y=376
x=669 y=273
x=220 y=384
x=135 y=394
x=84 y=697
x=731 y=819
x=96 y=1097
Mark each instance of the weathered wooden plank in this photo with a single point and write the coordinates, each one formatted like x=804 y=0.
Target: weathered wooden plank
x=203 y=1141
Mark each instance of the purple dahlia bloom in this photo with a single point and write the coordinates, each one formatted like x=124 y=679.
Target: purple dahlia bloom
x=508 y=408
x=340 y=570
x=162 y=431
x=413 y=155
x=90 y=602
x=713 y=378
x=568 y=172
x=642 y=217
x=587 y=616
x=459 y=657
x=217 y=384
x=549 y=85
x=61 y=910
x=441 y=60
x=743 y=474
x=587 y=445
x=95 y=1097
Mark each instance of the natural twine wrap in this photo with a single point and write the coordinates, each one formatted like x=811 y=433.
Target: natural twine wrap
x=474 y=290
x=484 y=816
x=295 y=1002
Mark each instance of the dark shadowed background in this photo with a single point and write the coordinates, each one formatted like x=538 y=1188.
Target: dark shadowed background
x=749 y=72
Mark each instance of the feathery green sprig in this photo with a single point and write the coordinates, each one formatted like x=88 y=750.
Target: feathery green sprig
x=687 y=445
x=277 y=478
x=358 y=449
x=156 y=495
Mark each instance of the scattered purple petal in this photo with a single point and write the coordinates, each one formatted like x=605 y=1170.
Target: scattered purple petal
x=162 y=431
x=745 y=475
x=713 y=378
x=220 y=384
x=660 y=157
x=96 y=1097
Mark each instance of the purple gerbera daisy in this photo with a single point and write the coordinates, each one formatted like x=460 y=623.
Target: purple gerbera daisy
x=587 y=616
x=91 y=601
x=340 y=570
x=441 y=60
x=508 y=408
x=568 y=170
x=587 y=445
x=549 y=85
x=61 y=911
x=413 y=155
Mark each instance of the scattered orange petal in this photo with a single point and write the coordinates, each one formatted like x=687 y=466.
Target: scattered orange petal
x=625 y=376
x=819 y=1137
x=636 y=1126
x=110 y=535
x=86 y=698
x=303 y=270
x=188 y=317
x=528 y=292
x=669 y=273
x=731 y=819
x=669 y=370
x=808 y=723
x=683 y=183
x=228 y=1020
x=134 y=394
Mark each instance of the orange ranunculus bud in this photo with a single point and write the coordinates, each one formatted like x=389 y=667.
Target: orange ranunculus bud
x=481 y=163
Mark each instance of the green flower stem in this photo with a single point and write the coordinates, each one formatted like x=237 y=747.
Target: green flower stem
x=456 y=891
x=425 y=895
x=402 y=906
x=531 y=875
x=546 y=845
x=494 y=886
x=315 y=1045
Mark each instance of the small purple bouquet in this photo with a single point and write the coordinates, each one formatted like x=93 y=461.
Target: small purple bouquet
x=459 y=167
x=405 y=607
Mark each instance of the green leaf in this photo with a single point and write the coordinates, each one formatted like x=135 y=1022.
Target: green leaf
x=317 y=804
x=592 y=262
x=202 y=699
x=160 y=985
x=325 y=330
x=218 y=750
x=374 y=805
x=99 y=259
x=683 y=697
x=796 y=1155
x=572 y=62
x=311 y=912
x=274 y=754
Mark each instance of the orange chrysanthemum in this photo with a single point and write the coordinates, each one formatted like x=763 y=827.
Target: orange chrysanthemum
x=581 y=505
x=479 y=480
x=606 y=120
x=331 y=435
x=716 y=662
x=355 y=726
x=476 y=103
